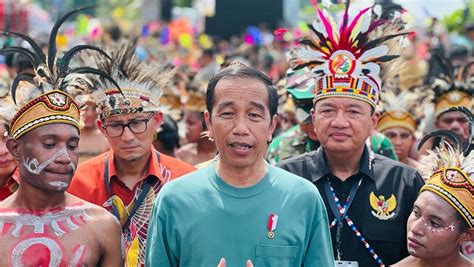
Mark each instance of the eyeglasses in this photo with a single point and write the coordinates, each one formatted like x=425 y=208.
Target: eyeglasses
x=135 y=126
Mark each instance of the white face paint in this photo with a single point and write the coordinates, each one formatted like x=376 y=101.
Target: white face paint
x=34 y=167
x=439 y=230
x=59 y=185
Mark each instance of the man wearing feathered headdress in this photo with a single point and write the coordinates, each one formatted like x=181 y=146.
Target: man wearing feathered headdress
x=442 y=219
x=41 y=224
x=398 y=124
x=127 y=179
x=453 y=89
x=368 y=197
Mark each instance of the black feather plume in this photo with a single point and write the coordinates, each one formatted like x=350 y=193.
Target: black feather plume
x=447 y=134
x=54 y=32
x=31 y=42
x=64 y=65
x=32 y=57
x=89 y=70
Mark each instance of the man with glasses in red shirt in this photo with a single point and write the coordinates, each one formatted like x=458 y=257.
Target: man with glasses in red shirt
x=127 y=179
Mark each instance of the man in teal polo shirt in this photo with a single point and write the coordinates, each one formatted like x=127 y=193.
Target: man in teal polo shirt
x=239 y=210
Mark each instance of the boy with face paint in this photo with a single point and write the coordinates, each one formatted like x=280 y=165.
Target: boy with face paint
x=41 y=224
x=443 y=215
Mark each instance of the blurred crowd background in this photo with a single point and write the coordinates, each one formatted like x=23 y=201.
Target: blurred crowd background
x=197 y=37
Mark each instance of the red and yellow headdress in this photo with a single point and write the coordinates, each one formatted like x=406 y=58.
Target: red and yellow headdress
x=47 y=96
x=346 y=60
x=449 y=172
x=396 y=111
x=450 y=175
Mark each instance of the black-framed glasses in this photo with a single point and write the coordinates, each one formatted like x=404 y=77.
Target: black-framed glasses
x=135 y=126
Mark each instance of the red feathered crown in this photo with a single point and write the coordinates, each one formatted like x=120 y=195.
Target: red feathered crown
x=346 y=59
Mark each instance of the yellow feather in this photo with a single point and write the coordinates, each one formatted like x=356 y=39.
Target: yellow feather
x=123 y=212
x=132 y=253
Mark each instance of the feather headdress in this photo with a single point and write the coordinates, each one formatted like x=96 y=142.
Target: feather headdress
x=47 y=96
x=141 y=83
x=454 y=86
x=450 y=174
x=397 y=111
x=346 y=59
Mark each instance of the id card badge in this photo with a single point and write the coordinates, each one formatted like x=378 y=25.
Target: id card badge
x=346 y=264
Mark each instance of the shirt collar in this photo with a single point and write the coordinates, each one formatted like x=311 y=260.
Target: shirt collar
x=153 y=167
x=321 y=168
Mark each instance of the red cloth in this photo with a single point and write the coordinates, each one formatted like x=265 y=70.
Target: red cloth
x=10 y=186
x=88 y=182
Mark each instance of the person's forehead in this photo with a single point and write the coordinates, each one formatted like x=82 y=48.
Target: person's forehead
x=62 y=130
x=399 y=130
x=451 y=115
x=127 y=117
x=192 y=114
x=433 y=204
x=240 y=84
x=234 y=88
x=342 y=101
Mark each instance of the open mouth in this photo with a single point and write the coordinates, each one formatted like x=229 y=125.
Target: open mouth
x=240 y=147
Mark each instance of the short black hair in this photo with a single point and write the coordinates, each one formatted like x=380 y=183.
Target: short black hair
x=463 y=226
x=169 y=133
x=243 y=72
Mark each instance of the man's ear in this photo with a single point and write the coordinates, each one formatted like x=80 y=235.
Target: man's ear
x=158 y=119
x=207 y=119
x=273 y=125
x=375 y=118
x=13 y=147
x=100 y=125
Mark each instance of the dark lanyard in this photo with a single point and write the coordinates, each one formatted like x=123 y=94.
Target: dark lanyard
x=145 y=189
x=338 y=211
